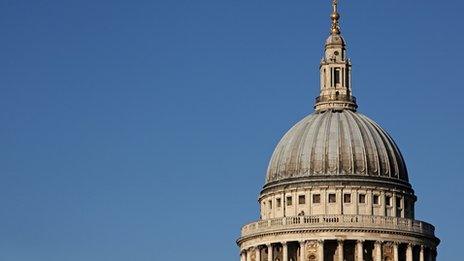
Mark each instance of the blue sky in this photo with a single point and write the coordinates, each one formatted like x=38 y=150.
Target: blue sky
x=141 y=130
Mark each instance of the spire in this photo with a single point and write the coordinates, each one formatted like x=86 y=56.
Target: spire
x=335 y=18
x=335 y=71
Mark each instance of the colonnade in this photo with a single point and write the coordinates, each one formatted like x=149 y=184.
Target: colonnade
x=339 y=250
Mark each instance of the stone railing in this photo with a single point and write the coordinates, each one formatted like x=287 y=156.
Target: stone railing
x=339 y=221
x=341 y=97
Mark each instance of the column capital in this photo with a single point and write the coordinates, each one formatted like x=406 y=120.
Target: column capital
x=284 y=243
x=320 y=241
x=360 y=241
x=269 y=245
x=340 y=241
x=302 y=242
x=378 y=242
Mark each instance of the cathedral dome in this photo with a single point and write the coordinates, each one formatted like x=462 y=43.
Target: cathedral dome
x=336 y=144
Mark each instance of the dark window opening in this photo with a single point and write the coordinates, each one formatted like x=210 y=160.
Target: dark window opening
x=388 y=201
x=332 y=198
x=301 y=200
x=362 y=198
x=347 y=198
x=337 y=76
x=289 y=201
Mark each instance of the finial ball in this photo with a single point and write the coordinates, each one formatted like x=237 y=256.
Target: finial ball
x=335 y=16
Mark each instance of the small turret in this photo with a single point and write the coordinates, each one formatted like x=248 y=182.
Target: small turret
x=335 y=70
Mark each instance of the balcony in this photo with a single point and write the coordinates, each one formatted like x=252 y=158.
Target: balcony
x=339 y=221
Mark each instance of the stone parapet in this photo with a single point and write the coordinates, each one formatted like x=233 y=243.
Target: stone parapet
x=339 y=221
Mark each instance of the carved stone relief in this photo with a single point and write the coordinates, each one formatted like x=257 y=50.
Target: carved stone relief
x=311 y=251
x=387 y=250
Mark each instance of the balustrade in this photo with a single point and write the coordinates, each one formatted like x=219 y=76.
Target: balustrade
x=345 y=221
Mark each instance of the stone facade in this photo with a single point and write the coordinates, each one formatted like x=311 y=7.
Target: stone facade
x=337 y=187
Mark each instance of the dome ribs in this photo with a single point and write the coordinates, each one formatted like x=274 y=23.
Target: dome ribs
x=371 y=147
x=314 y=144
x=398 y=170
x=324 y=150
x=296 y=154
x=332 y=148
x=347 y=159
x=384 y=160
x=360 y=158
x=336 y=143
x=306 y=152
x=276 y=158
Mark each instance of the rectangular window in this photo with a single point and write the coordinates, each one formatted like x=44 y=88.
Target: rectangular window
x=325 y=78
x=376 y=199
x=362 y=198
x=388 y=201
x=279 y=202
x=289 y=201
x=301 y=200
x=270 y=204
x=347 y=198
x=316 y=198
x=337 y=76
x=332 y=198
x=398 y=202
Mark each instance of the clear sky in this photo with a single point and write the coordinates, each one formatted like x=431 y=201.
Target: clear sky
x=141 y=130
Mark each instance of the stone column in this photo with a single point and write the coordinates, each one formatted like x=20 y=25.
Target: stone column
x=270 y=252
x=422 y=254
x=284 y=251
x=360 y=250
x=302 y=250
x=434 y=254
x=320 y=250
x=430 y=254
x=409 y=253
x=395 y=252
x=340 y=250
x=378 y=251
x=243 y=256
x=248 y=254
x=258 y=253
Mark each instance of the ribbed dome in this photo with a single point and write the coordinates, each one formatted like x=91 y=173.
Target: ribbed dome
x=336 y=143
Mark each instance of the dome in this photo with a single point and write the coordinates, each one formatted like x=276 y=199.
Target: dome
x=335 y=39
x=336 y=143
